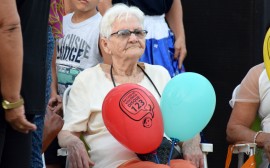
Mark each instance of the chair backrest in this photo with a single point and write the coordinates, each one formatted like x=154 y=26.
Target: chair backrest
x=65 y=98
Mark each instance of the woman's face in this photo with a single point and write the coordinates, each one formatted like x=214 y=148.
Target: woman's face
x=84 y=5
x=124 y=44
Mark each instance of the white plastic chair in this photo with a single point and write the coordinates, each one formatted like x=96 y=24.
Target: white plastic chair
x=206 y=148
x=65 y=98
x=63 y=151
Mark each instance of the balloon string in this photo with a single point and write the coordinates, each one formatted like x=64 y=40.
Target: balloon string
x=174 y=140
x=156 y=157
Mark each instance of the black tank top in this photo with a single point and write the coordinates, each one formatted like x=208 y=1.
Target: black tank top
x=149 y=7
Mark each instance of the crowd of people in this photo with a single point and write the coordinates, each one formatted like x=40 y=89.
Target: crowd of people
x=95 y=46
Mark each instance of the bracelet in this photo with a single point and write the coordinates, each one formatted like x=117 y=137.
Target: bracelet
x=256 y=135
x=11 y=105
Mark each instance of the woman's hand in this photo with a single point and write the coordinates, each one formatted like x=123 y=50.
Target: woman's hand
x=180 y=50
x=266 y=148
x=55 y=104
x=192 y=152
x=16 y=118
x=77 y=154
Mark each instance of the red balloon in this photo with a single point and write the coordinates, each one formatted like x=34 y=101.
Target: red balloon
x=132 y=115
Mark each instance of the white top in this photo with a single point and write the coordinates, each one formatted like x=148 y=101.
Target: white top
x=157 y=23
x=77 y=50
x=83 y=113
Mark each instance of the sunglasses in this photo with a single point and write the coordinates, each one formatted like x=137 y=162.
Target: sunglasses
x=127 y=33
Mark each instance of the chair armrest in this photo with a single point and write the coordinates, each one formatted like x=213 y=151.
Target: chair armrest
x=206 y=147
x=62 y=152
x=247 y=148
x=240 y=149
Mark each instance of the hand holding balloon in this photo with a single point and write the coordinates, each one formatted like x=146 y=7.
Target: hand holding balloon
x=187 y=104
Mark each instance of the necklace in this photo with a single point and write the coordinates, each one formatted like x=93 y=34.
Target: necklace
x=113 y=81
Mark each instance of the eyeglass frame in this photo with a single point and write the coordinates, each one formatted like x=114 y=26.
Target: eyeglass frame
x=144 y=33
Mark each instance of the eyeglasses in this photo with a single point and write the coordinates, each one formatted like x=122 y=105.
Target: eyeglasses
x=127 y=33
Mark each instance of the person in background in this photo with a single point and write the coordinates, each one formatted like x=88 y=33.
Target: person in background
x=22 y=76
x=54 y=31
x=251 y=100
x=76 y=51
x=165 y=41
x=123 y=39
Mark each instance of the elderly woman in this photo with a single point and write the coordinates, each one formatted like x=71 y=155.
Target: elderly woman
x=123 y=38
x=252 y=99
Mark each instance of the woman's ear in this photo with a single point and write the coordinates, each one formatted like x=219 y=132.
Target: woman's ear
x=105 y=51
x=104 y=45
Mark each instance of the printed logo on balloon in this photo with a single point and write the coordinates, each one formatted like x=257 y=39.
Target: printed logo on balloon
x=133 y=116
x=137 y=105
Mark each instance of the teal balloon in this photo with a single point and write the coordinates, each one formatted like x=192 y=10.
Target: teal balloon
x=187 y=103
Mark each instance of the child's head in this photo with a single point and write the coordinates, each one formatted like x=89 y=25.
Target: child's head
x=84 y=5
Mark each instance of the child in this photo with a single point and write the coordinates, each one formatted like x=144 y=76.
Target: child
x=78 y=49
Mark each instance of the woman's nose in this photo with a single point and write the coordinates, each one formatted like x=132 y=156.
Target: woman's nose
x=133 y=37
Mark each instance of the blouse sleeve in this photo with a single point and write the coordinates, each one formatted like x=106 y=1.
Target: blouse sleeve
x=249 y=87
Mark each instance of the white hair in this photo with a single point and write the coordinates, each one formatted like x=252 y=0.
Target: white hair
x=116 y=12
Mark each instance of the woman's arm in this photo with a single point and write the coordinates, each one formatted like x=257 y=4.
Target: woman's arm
x=238 y=128
x=55 y=102
x=175 y=20
x=77 y=154
x=54 y=75
x=241 y=119
x=11 y=62
x=192 y=151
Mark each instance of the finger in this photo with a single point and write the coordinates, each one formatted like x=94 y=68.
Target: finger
x=91 y=163
x=195 y=162
x=57 y=109
x=87 y=161
x=28 y=125
x=59 y=99
x=182 y=57
x=176 y=54
x=180 y=62
x=52 y=101
x=71 y=160
x=201 y=163
x=22 y=125
x=19 y=128
x=75 y=158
